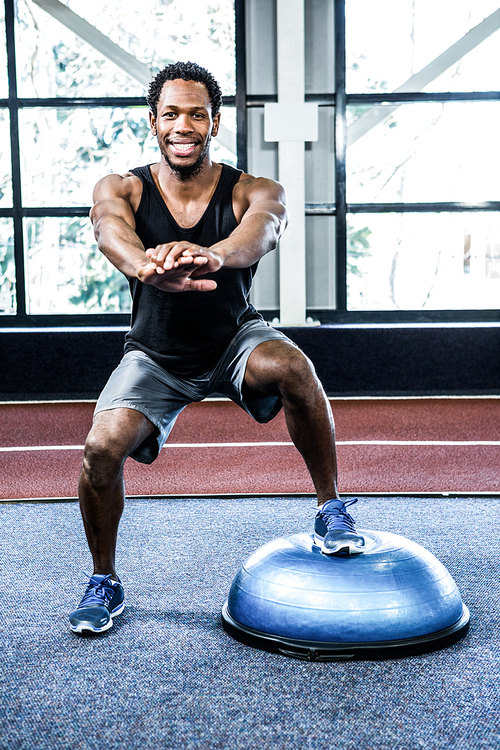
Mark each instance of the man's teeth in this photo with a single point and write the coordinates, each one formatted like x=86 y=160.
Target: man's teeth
x=183 y=146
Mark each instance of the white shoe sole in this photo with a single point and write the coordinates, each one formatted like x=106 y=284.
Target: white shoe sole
x=348 y=548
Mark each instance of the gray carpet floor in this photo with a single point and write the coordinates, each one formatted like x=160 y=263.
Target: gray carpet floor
x=168 y=676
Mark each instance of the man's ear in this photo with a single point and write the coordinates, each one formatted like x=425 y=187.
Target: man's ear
x=152 y=123
x=215 y=126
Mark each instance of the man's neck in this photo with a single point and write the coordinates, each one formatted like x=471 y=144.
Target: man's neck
x=190 y=188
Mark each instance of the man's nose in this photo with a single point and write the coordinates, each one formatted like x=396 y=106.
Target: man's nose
x=183 y=124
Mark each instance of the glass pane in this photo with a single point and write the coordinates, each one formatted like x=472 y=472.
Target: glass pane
x=320 y=262
x=4 y=86
x=424 y=152
x=56 y=61
x=5 y=164
x=66 y=273
x=319 y=62
x=385 y=49
x=64 y=152
x=224 y=146
x=7 y=268
x=320 y=159
x=442 y=261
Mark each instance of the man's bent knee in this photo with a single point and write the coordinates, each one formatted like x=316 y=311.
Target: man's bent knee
x=279 y=366
x=114 y=436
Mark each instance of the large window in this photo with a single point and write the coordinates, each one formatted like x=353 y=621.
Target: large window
x=401 y=188
x=73 y=78
x=418 y=161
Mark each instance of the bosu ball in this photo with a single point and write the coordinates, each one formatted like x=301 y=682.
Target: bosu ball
x=394 y=599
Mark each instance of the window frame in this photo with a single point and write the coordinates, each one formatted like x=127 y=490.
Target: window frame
x=339 y=100
x=343 y=208
x=18 y=213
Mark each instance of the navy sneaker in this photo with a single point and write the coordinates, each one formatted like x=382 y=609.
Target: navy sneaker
x=334 y=529
x=103 y=600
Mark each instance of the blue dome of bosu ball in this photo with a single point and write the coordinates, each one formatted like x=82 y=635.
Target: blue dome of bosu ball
x=395 y=599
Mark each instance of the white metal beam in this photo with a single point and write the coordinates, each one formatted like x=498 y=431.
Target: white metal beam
x=291 y=89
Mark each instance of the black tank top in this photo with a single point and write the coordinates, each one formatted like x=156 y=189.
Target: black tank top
x=187 y=332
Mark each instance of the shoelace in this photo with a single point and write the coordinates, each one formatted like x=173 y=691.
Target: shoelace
x=338 y=518
x=100 y=593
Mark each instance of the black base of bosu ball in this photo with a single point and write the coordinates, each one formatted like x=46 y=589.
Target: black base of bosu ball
x=395 y=599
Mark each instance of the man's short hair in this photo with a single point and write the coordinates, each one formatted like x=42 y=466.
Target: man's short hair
x=187 y=71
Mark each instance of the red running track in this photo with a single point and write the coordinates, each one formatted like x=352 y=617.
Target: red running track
x=428 y=445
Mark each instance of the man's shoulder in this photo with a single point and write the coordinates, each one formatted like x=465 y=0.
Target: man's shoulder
x=127 y=186
x=251 y=187
x=142 y=172
x=118 y=181
x=249 y=181
x=250 y=191
x=134 y=175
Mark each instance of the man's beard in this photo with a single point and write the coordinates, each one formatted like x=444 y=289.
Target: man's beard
x=184 y=171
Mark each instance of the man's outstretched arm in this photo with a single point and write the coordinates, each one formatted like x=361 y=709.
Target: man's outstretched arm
x=113 y=219
x=260 y=208
x=261 y=204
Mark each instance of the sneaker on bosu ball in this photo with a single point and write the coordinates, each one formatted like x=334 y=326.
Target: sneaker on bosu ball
x=103 y=600
x=334 y=529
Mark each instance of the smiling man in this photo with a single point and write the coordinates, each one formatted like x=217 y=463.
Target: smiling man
x=189 y=233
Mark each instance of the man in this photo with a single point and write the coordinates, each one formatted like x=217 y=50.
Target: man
x=188 y=233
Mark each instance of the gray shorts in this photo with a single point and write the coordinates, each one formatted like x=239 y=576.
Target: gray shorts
x=140 y=383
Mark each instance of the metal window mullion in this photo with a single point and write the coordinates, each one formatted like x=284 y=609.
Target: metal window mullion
x=340 y=147
x=241 y=85
x=64 y=102
x=441 y=207
x=321 y=99
x=13 y=103
x=411 y=97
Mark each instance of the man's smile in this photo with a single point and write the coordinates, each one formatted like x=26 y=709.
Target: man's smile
x=181 y=148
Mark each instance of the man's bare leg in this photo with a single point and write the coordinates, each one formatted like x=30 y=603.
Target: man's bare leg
x=276 y=367
x=113 y=437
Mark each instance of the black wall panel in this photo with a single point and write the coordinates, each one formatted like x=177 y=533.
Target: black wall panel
x=350 y=360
